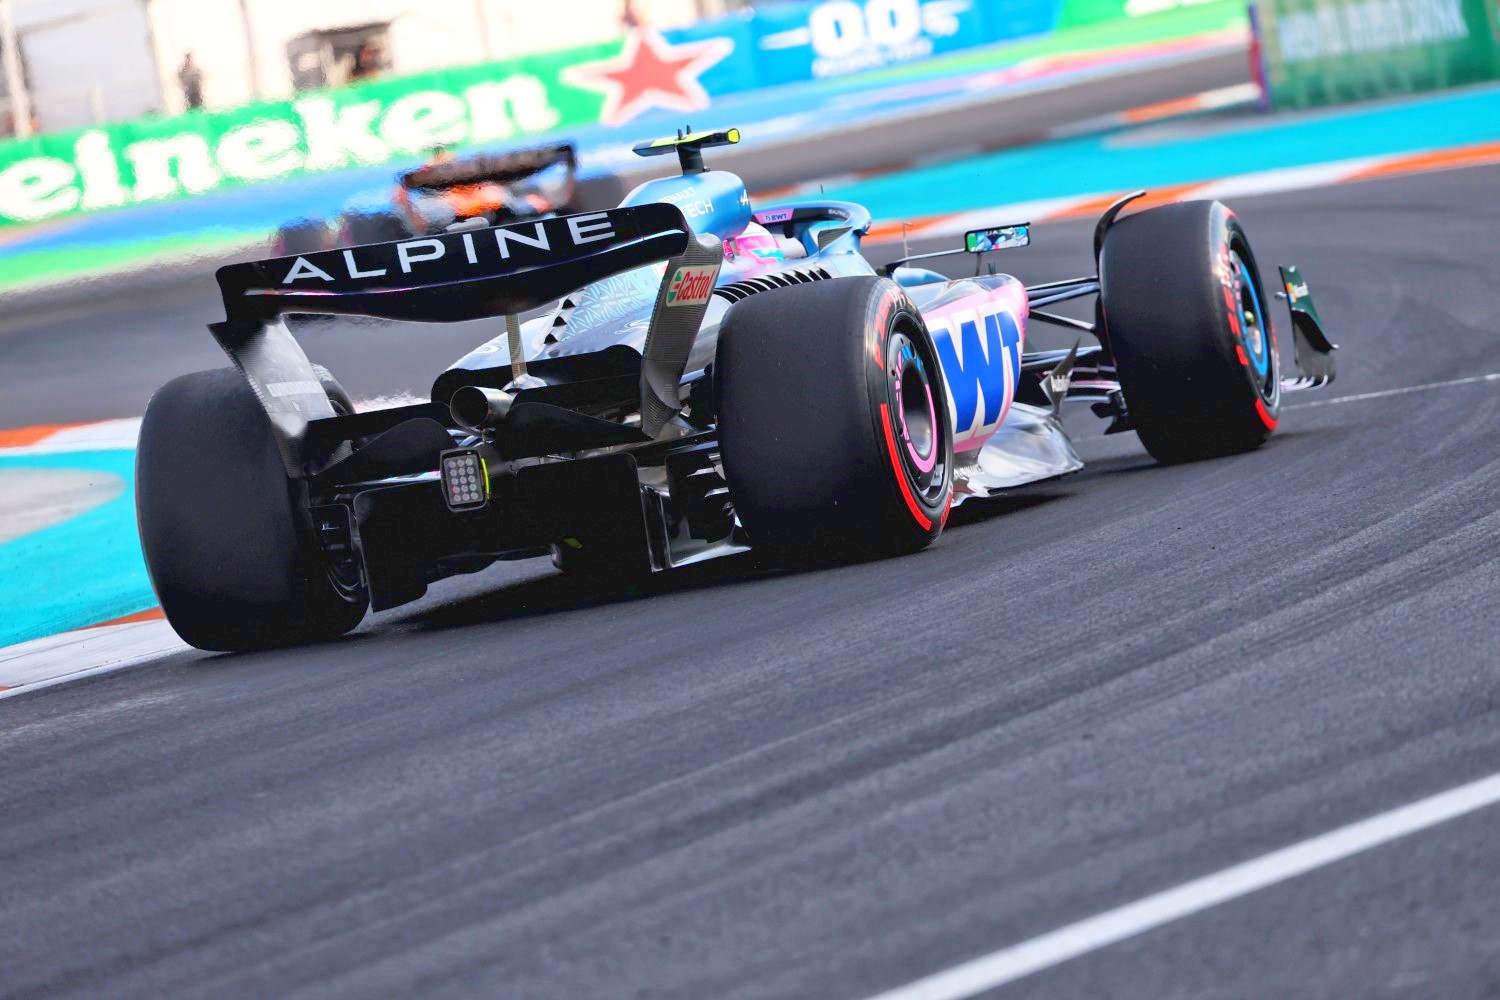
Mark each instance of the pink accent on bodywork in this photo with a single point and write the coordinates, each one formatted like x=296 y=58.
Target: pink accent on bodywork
x=1010 y=296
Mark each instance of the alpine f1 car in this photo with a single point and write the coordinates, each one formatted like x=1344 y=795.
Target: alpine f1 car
x=708 y=378
x=449 y=191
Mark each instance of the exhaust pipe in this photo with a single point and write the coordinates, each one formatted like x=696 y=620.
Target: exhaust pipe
x=476 y=407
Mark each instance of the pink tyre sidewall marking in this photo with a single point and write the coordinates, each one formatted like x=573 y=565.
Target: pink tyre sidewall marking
x=924 y=464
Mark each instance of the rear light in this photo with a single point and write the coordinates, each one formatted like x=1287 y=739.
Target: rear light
x=466 y=479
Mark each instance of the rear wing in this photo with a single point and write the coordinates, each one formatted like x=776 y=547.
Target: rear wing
x=502 y=168
x=500 y=271
x=457 y=276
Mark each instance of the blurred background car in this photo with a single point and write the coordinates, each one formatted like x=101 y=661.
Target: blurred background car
x=448 y=191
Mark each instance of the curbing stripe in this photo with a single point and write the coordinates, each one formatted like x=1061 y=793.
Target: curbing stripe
x=149 y=615
x=98 y=435
x=87 y=652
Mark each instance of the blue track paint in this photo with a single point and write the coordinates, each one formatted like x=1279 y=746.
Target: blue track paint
x=1170 y=153
x=83 y=571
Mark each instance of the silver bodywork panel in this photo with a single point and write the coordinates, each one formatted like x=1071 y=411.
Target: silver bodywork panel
x=1030 y=446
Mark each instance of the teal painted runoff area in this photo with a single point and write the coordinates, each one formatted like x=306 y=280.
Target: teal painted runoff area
x=83 y=571
x=1179 y=151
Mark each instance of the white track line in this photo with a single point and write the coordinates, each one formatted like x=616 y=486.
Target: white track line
x=1009 y=964
x=1472 y=379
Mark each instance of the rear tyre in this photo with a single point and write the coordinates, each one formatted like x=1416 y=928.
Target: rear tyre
x=1185 y=314
x=229 y=549
x=833 y=420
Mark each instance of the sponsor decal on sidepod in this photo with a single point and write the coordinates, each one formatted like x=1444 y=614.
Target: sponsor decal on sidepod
x=980 y=351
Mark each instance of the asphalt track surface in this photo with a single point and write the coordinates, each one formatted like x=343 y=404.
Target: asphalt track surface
x=744 y=782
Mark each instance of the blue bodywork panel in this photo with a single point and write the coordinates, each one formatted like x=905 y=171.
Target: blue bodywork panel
x=714 y=201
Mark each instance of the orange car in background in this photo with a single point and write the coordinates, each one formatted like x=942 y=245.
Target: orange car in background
x=453 y=191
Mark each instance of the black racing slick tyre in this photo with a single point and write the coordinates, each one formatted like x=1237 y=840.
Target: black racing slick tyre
x=230 y=553
x=1186 y=317
x=833 y=421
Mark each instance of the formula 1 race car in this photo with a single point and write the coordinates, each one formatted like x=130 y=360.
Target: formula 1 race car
x=449 y=191
x=707 y=379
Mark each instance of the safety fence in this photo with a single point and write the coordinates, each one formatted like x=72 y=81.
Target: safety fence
x=1317 y=52
x=683 y=69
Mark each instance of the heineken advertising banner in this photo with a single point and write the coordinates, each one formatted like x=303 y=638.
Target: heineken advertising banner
x=611 y=83
x=1330 y=51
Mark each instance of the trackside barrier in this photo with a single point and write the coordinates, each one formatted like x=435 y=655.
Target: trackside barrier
x=1318 y=52
x=159 y=159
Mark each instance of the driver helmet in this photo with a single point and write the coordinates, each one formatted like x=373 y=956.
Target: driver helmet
x=754 y=244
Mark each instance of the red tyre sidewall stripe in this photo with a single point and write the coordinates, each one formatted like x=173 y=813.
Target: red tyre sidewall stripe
x=1264 y=414
x=1234 y=326
x=890 y=450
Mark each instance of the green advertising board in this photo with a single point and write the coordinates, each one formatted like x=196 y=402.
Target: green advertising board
x=1332 y=51
x=158 y=159
x=1077 y=13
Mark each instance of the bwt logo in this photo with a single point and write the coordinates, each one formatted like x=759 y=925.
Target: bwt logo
x=691 y=286
x=980 y=355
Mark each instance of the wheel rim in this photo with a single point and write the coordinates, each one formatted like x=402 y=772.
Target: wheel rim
x=922 y=434
x=1254 y=337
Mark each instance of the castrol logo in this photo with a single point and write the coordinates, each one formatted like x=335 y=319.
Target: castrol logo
x=691 y=286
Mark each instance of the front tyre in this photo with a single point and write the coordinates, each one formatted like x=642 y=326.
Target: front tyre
x=1185 y=314
x=229 y=549
x=833 y=420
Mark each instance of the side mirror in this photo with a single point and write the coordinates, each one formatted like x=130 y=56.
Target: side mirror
x=999 y=238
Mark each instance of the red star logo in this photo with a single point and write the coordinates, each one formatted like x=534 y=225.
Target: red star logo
x=650 y=72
